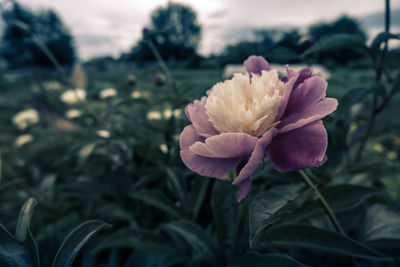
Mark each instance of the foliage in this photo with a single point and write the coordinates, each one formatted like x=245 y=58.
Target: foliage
x=343 y=25
x=175 y=32
x=116 y=159
x=18 y=47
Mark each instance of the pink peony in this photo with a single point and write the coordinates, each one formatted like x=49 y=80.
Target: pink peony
x=242 y=119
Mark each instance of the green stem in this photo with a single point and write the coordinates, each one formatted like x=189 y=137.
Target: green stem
x=378 y=71
x=323 y=202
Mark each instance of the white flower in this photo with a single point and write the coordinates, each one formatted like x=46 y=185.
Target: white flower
x=73 y=96
x=73 y=113
x=177 y=113
x=52 y=86
x=23 y=139
x=164 y=148
x=109 y=92
x=103 y=133
x=154 y=115
x=25 y=118
x=238 y=105
x=167 y=113
x=136 y=94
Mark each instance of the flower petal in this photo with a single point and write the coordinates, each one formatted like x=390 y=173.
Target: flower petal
x=188 y=137
x=196 y=113
x=302 y=148
x=256 y=157
x=244 y=187
x=211 y=167
x=306 y=94
x=226 y=145
x=314 y=112
x=256 y=64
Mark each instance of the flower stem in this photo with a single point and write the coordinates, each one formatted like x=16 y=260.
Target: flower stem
x=323 y=202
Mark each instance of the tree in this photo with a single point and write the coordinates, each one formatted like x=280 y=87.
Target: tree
x=343 y=24
x=174 y=31
x=22 y=26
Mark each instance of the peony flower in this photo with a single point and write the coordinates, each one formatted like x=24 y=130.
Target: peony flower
x=73 y=96
x=103 y=133
x=26 y=118
x=106 y=93
x=23 y=139
x=73 y=113
x=256 y=114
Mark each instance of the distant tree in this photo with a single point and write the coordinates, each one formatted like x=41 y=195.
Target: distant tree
x=343 y=24
x=18 y=47
x=175 y=32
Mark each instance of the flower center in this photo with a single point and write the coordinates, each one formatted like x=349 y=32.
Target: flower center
x=238 y=105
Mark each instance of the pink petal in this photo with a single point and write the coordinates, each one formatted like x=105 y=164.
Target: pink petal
x=302 y=148
x=226 y=145
x=196 y=113
x=256 y=157
x=188 y=137
x=211 y=167
x=256 y=64
x=244 y=187
x=312 y=113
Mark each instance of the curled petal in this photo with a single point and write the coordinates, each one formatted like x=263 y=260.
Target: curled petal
x=226 y=145
x=244 y=187
x=256 y=157
x=196 y=113
x=302 y=148
x=256 y=64
x=188 y=137
x=212 y=167
x=309 y=114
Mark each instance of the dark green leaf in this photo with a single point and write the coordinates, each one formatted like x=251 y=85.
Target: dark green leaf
x=305 y=236
x=271 y=207
x=199 y=192
x=75 y=241
x=142 y=239
x=11 y=251
x=24 y=220
x=256 y=259
x=196 y=237
x=387 y=246
x=337 y=42
x=224 y=207
x=157 y=200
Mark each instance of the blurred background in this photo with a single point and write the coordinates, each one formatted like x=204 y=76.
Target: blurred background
x=92 y=97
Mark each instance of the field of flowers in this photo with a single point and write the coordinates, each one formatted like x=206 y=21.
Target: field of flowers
x=168 y=166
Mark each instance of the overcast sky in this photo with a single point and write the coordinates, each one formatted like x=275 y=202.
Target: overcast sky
x=112 y=26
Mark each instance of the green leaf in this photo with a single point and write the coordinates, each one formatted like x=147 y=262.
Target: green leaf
x=342 y=197
x=224 y=207
x=337 y=42
x=252 y=258
x=271 y=207
x=157 y=200
x=24 y=220
x=380 y=38
x=32 y=249
x=199 y=188
x=387 y=246
x=202 y=246
x=75 y=241
x=142 y=239
x=178 y=185
x=309 y=237
x=11 y=251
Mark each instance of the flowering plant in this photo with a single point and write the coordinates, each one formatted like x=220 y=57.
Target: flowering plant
x=253 y=114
